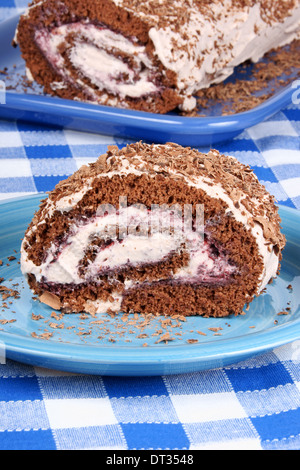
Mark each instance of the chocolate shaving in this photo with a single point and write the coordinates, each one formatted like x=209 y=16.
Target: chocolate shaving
x=51 y=300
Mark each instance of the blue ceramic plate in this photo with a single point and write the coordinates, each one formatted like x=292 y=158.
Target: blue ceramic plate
x=33 y=333
x=192 y=131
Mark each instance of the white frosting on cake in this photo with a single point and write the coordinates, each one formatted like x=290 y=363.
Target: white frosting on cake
x=223 y=42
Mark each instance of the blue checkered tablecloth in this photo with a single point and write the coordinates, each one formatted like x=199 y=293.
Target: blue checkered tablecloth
x=251 y=405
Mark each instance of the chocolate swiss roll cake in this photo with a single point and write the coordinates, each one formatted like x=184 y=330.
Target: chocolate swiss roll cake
x=148 y=55
x=157 y=229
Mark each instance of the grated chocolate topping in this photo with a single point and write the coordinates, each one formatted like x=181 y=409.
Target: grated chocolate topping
x=163 y=13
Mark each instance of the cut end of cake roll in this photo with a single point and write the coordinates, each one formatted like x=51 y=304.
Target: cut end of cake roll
x=149 y=56
x=95 y=52
x=158 y=229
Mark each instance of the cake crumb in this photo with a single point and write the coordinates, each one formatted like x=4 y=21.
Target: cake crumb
x=56 y=325
x=47 y=335
x=4 y=321
x=164 y=338
x=36 y=317
x=57 y=316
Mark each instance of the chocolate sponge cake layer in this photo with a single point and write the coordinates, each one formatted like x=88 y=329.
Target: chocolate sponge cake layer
x=148 y=55
x=154 y=229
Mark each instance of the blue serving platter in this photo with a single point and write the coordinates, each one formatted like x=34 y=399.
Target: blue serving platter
x=35 y=334
x=36 y=107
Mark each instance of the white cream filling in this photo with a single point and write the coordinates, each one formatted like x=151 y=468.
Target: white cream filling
x=102 y=306
x=133 y=250
x=137 y=247
x=97 y=55
x=105 y=71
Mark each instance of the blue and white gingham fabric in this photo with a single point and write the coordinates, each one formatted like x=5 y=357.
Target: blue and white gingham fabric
x=35 y=158
x=9 y=8
x=251 y=405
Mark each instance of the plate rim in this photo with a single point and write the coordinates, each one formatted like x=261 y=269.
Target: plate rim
x=150 y=357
